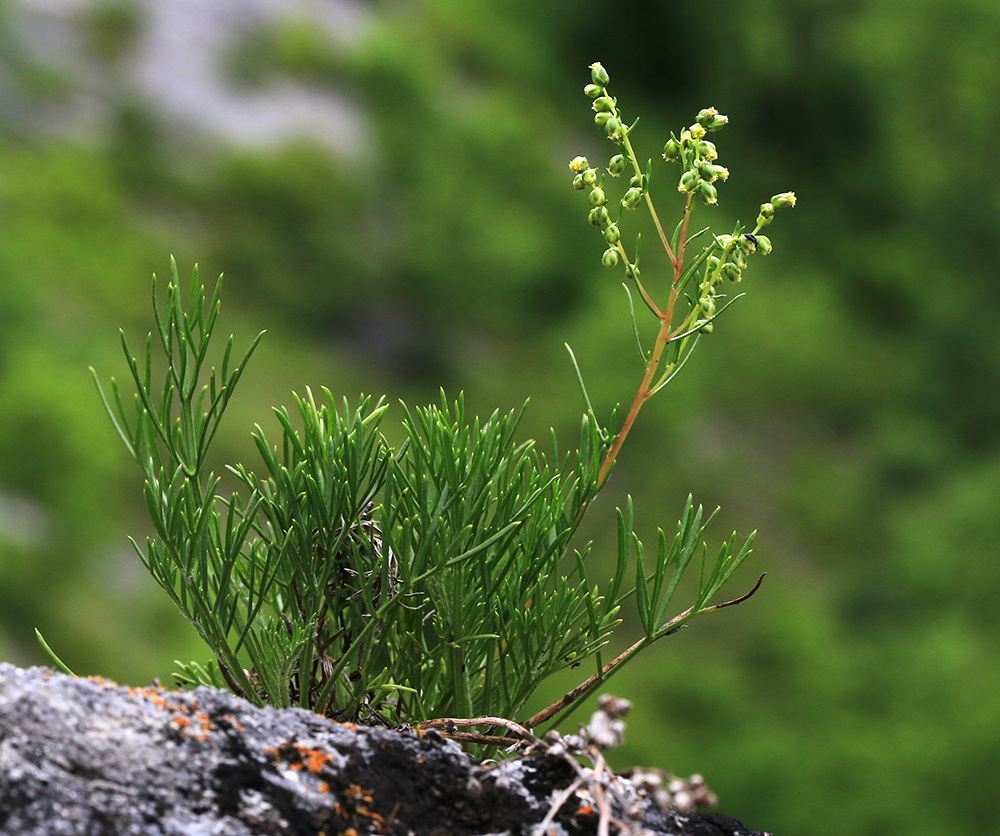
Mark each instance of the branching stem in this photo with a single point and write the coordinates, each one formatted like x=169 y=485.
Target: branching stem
x=663 y=337
x=666 y=629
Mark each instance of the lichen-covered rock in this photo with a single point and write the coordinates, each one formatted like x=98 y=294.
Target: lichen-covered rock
x=86 y=756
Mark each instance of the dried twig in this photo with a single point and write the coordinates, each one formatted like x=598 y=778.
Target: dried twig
x=449 y=728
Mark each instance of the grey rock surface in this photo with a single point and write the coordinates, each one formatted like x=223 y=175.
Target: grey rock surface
x=86 y=756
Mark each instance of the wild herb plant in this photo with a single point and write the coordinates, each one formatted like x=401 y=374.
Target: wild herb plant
x=438 y=578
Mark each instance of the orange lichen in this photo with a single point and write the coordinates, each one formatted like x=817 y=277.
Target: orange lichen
x=298 y=757
x=376 y=817
x=316 y=760
x=182 y=711
x=357 y=792
x=205 y=723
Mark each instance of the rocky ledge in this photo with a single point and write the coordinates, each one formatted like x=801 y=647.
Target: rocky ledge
x=86 y=756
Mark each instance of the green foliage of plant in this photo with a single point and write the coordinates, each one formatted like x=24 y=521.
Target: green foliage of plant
x=438 y=577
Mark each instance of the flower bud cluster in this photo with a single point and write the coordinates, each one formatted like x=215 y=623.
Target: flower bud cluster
x=785 y=200
x=586 y=177
x=606 y=115
x=697 y=155
x=735 y=249
x=728 y=264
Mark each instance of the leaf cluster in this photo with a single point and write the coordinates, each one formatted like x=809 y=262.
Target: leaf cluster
x=363 y=581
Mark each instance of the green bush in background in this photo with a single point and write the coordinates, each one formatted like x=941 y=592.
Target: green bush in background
x=850 y=413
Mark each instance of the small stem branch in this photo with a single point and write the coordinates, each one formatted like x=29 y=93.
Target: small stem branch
x=665 y=629
x=663 y=238
x=649 y=202
x=682 y=241
x=642 y=290
x=557 y=804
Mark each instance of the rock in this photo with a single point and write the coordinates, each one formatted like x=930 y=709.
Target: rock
x=86 y=756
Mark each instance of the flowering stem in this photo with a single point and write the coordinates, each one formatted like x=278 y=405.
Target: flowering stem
x=663 y=337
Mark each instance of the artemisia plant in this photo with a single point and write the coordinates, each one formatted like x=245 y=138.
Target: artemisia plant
x=438 y=578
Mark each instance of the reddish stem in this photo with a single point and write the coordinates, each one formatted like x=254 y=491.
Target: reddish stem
x=662 y=339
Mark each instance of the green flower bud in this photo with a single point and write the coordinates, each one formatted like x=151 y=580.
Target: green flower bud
x=711 y=172
x=616 y=165
x=748 y=243
x=603 y=104
x=763 y=244
x=610 y=257
x=613 y=128
x=598 y=216
x=713 y=263
x=708 y=150
x=578 y=164
x=785 y=200
x=767 y=210
x=593 y=90
x=711 y=120
x=731 y=272
x=612 y=235
x=578 y=182
x=631 y=271
x=599 y=75
x=689 y=182
x=635 y=182
x=707 y=327
x=632 y=198
x=603 y=118
x=597 y=197
x=707 y=307
x=672 y=150
x=590 y=176
x=708 y=193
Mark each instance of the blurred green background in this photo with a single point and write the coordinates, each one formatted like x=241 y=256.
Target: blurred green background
x=385 y=187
